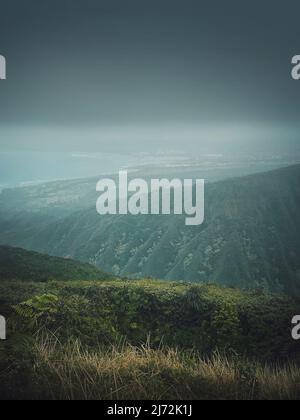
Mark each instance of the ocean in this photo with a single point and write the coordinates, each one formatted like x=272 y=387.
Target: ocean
x=25 y=168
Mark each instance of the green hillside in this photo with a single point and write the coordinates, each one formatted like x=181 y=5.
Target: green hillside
x=16 y=264
x=146 y=340
x=201 y=317
x=250 y=238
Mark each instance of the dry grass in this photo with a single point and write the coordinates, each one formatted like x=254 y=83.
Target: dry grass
x=70 y=372
x=280 y=383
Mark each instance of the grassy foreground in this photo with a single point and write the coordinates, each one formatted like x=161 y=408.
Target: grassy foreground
x=70 y=372
x=83 y=340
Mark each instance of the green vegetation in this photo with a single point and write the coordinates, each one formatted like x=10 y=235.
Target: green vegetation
x=205 y=318
x=86 y=340
x=20 y=265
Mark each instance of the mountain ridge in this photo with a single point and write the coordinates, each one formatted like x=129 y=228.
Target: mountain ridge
x=17 y=264
x=249 y=238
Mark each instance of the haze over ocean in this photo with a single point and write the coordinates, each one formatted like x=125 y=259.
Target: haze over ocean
x=138 y=76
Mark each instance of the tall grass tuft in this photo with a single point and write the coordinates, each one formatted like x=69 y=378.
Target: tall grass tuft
x=71 y=372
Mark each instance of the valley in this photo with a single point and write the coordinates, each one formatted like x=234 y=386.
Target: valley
x=249 y=238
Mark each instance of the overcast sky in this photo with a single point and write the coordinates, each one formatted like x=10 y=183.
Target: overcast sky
x=117 y=74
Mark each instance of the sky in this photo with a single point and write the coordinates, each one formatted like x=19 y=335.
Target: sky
x=142 y=75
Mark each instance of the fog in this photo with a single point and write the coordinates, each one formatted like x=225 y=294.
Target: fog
x=127 y=77
x=129 y=139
